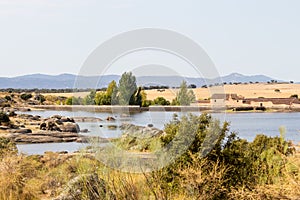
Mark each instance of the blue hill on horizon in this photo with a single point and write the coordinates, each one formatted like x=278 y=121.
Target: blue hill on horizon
x=63 y=81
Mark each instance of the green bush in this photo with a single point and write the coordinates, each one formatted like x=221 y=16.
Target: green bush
x=8 y=98
x=26 y=96
x=90 y=98
x=4 y=118
x=161 y=101
x=147 y=103
x=243 y=163
x=294 y=96
x=40 y=98
x=102 y=98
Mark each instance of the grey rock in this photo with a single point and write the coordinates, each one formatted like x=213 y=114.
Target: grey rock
x=4 y=127
x=56 y=116
x=21 y=131
x=110 y=119
x=84 y=131
x=70 y=127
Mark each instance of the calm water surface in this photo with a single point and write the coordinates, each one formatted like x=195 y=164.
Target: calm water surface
x=247 y=125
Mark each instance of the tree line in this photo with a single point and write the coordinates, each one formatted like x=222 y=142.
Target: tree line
x=126 y=92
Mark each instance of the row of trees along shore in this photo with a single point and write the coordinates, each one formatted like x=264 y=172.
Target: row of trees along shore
x=126 y=92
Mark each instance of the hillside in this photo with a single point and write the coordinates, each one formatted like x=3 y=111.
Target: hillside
x=62 y=81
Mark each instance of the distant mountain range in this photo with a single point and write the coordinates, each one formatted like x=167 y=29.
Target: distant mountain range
x=62 y=81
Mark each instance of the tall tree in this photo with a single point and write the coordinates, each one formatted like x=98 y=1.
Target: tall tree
x=111 y=87
x=127 y=89
x=138 y=98
x=184 y=96
x=111 y=92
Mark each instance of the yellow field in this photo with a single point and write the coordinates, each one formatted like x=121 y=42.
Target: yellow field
x=246 y=90
x=78 y=94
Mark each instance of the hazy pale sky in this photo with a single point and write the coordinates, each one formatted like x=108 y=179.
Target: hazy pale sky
x=56 y=36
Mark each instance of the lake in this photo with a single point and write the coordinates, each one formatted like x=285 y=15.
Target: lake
x=247 y=125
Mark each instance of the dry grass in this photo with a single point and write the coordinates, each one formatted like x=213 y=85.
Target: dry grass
x=246 y=90
x=77 y=94
x=23 y=177
x=16 y=173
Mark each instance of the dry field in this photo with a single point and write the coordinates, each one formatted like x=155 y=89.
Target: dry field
x=246 y=90
x=78 y=94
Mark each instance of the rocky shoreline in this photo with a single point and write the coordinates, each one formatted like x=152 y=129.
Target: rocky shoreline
x=136 y=109
x=29 y=129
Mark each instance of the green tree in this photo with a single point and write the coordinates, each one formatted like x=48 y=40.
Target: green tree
x=111 y=88
x=127 y=89
x=109 y=97
x=111 y=92
x=90 y=98
x=145 y=102
x=184 y=96
x=102 y=98
x=138 y=98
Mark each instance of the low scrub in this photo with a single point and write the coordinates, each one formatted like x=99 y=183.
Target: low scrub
x=231 y=168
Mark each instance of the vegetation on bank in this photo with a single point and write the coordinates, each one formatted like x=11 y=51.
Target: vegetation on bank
x=128 y=93
x=216 y=165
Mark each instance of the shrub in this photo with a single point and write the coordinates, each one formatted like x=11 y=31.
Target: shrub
x=294 y=96
x=242 y=163
x=161 y=101
x=40 y=98
x=147 y=103
x=26 y=96
x=102 y=98
x=243 y=108
x=73 y=101
x=277 y=90
x=4 y=118
x=90 y=98
x=8 y=98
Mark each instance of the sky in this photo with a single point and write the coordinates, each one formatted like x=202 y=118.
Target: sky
x=57 y=36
